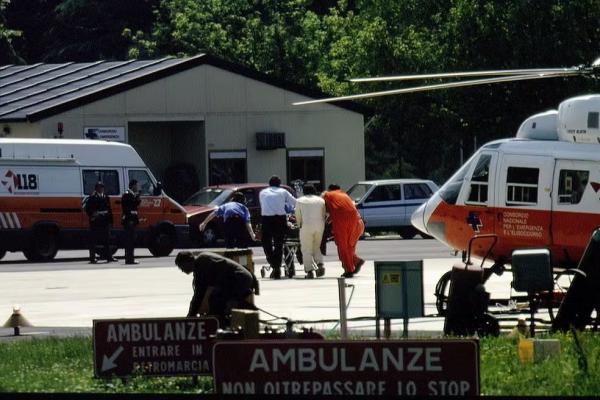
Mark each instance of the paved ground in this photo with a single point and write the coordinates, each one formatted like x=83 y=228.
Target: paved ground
x=69 y=293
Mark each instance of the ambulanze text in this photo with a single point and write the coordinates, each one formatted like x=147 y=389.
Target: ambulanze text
x=336 y=359
x=155 y=332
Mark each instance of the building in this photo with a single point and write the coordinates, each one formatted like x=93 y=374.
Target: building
x=232 y=124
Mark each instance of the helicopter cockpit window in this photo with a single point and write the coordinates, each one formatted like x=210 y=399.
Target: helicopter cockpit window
x=571 y=185
x=522 y=186
x=593 y=119
x=479 y=181
x=449 y=192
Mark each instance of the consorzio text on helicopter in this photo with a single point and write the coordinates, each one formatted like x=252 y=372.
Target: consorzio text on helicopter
x=539 y=189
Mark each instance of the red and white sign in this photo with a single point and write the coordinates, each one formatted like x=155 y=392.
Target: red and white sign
x=156 y=347
x=370 y=368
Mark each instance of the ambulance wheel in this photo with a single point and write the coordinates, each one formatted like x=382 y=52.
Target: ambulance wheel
x=162 y=244
x=2 y=253
x=408 y=232
x=43 y=247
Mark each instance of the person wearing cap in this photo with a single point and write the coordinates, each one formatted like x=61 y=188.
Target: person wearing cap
x=347 y=227
x=97 y=207
x=220 y=284
x=275 y=203
x=236 y=220
x=130 y=219
x=310 y=217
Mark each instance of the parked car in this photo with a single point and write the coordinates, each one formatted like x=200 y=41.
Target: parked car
x=199 y=205
x=387 y=205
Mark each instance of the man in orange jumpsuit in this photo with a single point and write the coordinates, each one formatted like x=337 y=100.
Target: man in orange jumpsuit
x=347 y=227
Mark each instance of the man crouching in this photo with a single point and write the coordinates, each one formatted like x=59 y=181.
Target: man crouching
x=220 y=284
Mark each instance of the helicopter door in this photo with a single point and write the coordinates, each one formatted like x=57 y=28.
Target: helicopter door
x=575 y=206
x=478 y=195
x=524 y=200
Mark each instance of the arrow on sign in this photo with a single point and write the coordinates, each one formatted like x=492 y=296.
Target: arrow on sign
x=109 y=362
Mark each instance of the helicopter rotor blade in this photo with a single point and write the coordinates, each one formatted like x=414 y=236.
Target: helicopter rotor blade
x=440 y=86
x=447 y=75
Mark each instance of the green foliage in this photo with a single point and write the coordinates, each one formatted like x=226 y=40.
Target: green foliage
x=323 y=43
x=65 y=365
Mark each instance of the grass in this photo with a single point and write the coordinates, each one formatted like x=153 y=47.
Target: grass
x=65 y=365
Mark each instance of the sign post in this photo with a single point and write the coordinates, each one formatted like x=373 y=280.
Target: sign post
x=154 y=346
x=372 y=368
x=398 y=292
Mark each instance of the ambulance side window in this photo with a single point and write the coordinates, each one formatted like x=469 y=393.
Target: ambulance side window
x=145 y=184
x=522 y=186
x=109 y=177
x=571 y=186
x=479 y=181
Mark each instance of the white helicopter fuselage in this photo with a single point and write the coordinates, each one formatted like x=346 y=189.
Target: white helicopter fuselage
x=529 y=192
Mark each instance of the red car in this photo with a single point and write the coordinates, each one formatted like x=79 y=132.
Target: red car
x=199 y=205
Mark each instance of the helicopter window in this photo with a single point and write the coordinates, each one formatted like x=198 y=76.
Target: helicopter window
x=593 y=120
x=479 y=181
x=571 y=185
x=449 y=192
x=521 y=186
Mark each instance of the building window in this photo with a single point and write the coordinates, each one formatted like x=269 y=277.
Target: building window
x=478 y=193
x=227 y=167
x=593 y=120
x=307 y=166
x=109 y=177
x=522 y=186
x=571 y=186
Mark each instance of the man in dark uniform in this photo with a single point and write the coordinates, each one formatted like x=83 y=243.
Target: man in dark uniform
x=220 y=284
x=129 y=205
x=97 y=207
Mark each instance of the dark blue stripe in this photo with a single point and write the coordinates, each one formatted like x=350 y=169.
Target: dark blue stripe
x=391 y=205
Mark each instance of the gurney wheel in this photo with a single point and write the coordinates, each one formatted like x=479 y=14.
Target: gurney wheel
x=262 y=272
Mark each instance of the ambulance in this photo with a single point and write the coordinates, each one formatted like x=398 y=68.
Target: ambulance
x=43 y=183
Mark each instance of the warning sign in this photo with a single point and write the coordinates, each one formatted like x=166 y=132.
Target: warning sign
x=156 y=347
x=316 y=368
x=391 y=278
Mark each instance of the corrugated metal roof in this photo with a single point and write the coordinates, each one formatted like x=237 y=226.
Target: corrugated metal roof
x=33 y=92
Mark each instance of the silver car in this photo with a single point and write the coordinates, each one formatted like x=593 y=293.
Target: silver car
x=387 y=205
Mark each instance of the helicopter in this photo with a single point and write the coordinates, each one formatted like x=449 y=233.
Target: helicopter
x=539 y=189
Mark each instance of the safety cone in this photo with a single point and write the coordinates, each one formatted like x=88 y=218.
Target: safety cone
x=16 y=321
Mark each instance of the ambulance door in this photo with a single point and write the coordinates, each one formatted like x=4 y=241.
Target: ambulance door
x=574 y=206
x=150 y=210
x=113 y=184
x=524 y=201
x=478 y=195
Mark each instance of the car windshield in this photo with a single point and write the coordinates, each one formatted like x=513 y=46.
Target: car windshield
x=358 y=191
x=208 y=197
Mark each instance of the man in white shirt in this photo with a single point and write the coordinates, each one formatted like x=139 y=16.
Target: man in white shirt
x=310 y=216
x=273 y=202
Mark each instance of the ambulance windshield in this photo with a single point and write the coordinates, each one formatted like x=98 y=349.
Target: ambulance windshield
x=208 y=197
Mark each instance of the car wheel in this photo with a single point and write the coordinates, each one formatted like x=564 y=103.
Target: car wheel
x=2 y=253
x=43 y=247
x=162 y=244
x=408 y=232
x=209 y=236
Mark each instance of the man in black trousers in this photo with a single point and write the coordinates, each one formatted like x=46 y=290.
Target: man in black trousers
x=129 y=205
x=97 y=207
x=220 y=284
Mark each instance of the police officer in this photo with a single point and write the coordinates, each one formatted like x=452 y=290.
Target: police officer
x=129 y=204
x=97 y=207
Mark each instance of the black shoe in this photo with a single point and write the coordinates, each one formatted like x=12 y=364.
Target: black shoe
x=93 y=262
x=112 y=259
x=310 y=275
x=359 y=266
x=347 y=275
x=132 y=262
x=320 y=270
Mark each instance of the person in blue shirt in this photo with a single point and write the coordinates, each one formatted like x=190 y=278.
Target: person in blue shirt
x=236 y=218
